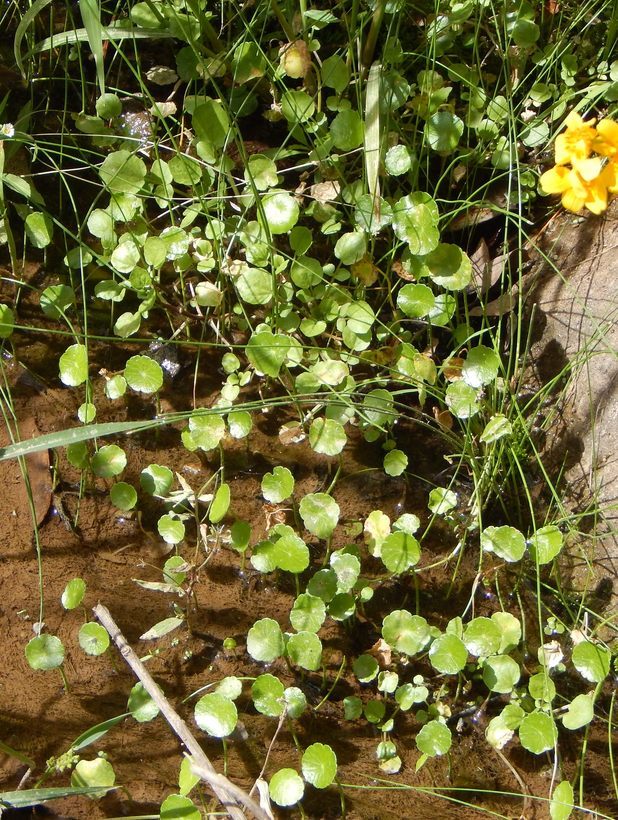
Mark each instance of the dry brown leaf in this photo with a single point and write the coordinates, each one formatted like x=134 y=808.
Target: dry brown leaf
x=381 y=651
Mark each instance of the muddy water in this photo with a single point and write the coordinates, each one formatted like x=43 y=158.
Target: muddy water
x=110 y=550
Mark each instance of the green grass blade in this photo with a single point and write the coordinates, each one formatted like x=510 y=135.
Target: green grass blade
x=372 y=134
x=91 y=15
x=28 y=18
x=8 y=750
x=31 y=797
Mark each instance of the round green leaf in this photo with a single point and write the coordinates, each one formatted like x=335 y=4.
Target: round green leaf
x=156 y=480
x=482 y=637
x=449 y=267
x=305 y=650
x=93 y=773
x=443 y=131
x=351 y=247
x=44 y=652
x=123 y=496
x=395 y=463
x=366 y=668
x=216 y=715
x=141 y=705
x=123 y=172
x=323 y=584
x=308 y=613
x=278 y=485
x=265 y=641
x=347 y=130
x=506 y=542
x=281 y=211
x=39 y=229
x=500 y=673
x=220 y=504
x=268 y=351
x=404 y=632
x=73 y=364
x=56 y=300
x=267 y=693
x=562 y=801
x=592 y=661
x=398 y=160
x=415 y=301
x=546 y=544
x=448 y=654
x=286 y=787
x=93 y=639
x=496 y=428
x=327 y=436
x=400 y=551
x=481 y=366
x=319 y=765
x=580 y=712
x=171 y=529
x=538 y=733
x=143 y=374
x=7 y=324
x=109 y=461
x=125 y=257
x=73 y=593
x=434 y=739
x=461 y=400
x=320 y=514
x=255 y=286
x=297 y=106
x=179 y=807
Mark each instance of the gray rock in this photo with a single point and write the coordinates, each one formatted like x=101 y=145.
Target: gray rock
x=575 y=298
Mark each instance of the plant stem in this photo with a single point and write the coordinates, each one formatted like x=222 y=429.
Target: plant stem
x=230 y=795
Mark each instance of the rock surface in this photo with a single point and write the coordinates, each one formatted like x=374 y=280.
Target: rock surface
x=575 y=326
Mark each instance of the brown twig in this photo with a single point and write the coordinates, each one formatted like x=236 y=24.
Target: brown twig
x=230 y=795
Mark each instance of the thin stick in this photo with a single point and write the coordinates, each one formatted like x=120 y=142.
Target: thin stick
x=230 y=795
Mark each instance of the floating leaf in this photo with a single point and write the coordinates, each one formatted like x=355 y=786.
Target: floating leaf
x=481 y=366
x=281 y=211
x=327 y=436
x=500 y=673
x=171 y=529
x=93 y=638
x=278 y=485
x=57 y=300
x=143 y=374
x=320 y=514
x=123 y=496
x=434 y=739
x=44 y=652
x=267 y=694
x=308 y=613
x=482 y=637
x=400 y=551
x=109 y=461
x=265 y=641
x=506 y=542
x=319 y=765
x=286 y=787
x=122 y=172
x=267 y=352
x=415 y=301
x=404 y=632
x=592 y=661
x=448 y=654
x=156 y=480
x=562 y=801
x=73 y=593
x=305 y=650
x=395 y=462
x=538 y=733
x=216 y=715
x=546 y=544
x=73 y=365
x=141 y=705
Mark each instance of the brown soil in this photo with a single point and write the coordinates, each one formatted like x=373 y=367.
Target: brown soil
x=109 y=550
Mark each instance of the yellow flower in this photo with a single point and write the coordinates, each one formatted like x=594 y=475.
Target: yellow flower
x=606 y=142
x=583 y=186
x=576 y=143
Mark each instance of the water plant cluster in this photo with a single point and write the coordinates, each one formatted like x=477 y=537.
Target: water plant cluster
x=325 y=209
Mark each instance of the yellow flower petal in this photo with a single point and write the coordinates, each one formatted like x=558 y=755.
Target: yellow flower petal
x=576 y=142
x=572 y=201
x=606 y=142
x=556 y=180
x=588 y=169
